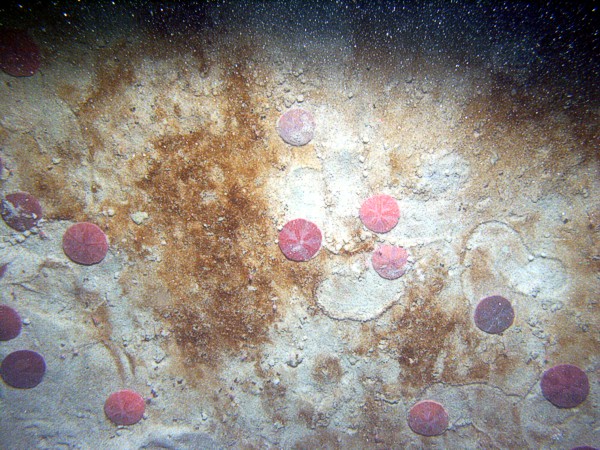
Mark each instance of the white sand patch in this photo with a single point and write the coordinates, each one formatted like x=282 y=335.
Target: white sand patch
x=354 y=291
x=510 y=265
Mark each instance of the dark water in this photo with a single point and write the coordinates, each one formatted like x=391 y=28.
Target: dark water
x=558 y=42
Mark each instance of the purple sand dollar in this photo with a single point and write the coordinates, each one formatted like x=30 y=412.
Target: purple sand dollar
x=85 y=243
x=565 y=385
x=19 y=54
x=3 y=268
x=428 y=418
x=23 y=369
x=494 y=314
x=10 y=323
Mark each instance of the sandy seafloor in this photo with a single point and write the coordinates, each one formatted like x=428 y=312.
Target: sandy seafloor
x=482 y=123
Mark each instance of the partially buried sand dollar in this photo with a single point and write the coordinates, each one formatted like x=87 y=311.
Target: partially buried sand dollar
x=21 y=211
x=10 y=323
x=390 y=261
x=296 y=127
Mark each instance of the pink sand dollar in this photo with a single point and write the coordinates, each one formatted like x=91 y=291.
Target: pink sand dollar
x=380 y=213
x=85 y=243
x=390 y=261
x=296 y=127
x=125 y=407
x=300 y=240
